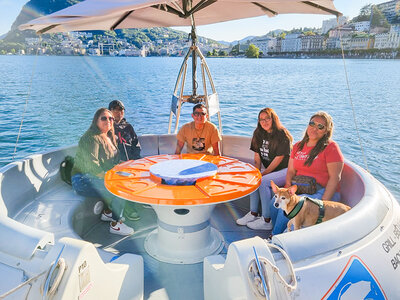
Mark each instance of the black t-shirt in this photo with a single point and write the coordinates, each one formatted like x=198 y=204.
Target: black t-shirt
x=262 y=146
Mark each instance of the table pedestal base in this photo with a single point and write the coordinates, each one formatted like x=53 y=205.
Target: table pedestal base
x=190 y=255
x=183 y=235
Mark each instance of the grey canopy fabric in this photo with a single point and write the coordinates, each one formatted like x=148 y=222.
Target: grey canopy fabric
x=119 y=14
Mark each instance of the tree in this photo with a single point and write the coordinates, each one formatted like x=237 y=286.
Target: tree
x=215 y=52
x=378 y=18
x=209 y=53
x=235 y=50
x=223 y=53
x=252 y=51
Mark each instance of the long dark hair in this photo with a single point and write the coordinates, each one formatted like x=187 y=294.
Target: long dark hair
x=93 y=127
x=323 y=142
x=276 y=128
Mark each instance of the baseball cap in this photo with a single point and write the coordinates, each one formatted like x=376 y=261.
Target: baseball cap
x=114 y=104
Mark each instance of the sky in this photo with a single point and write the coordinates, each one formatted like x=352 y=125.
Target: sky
x=226 y=31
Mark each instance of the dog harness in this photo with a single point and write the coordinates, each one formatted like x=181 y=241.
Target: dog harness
x=299 y=206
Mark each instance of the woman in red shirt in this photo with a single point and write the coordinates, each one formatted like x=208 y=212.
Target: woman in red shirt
x=318 y=156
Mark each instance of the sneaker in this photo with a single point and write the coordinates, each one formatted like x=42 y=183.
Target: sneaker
x=260 y=224
x=132 y=214
x=246 y=219
x=121 y=229
x=106 y=216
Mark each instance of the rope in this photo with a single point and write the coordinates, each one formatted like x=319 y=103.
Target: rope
x=276 y=269
x=350 y=98
x=21 y=285
x=27 y=97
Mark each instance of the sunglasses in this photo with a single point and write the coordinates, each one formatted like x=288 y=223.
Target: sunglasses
x=317 y=125
x=198 y=113
x=104 y=118
x=265 y=120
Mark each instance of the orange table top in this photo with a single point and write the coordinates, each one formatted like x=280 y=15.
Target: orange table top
x=133 y=181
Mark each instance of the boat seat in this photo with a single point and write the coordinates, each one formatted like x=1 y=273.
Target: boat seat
x=167 y=144
x=25 y=240
x=237 y=147
x=148 y=143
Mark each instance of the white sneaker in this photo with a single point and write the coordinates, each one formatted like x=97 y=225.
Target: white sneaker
x=121 y=229
x=107 y=217
x=246 y=219
x=260 y=224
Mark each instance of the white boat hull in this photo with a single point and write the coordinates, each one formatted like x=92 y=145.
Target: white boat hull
x=354 y=255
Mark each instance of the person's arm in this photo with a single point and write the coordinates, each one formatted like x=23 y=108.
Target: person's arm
x=335 y=173
x=216 y=148
x=291 y=172
x=257 y=161
x=272 y=166
x=179 y=146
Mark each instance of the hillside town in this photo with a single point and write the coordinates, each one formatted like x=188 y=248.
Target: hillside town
x=377 y=28
x=374 y=32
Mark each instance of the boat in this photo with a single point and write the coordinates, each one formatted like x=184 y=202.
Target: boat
x=55 y=247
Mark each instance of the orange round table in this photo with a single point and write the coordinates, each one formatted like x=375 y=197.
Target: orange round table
x=184 y=234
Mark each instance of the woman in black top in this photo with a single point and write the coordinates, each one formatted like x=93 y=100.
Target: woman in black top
x=271 y=144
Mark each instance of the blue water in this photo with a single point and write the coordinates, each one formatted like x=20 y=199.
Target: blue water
x=66 y=91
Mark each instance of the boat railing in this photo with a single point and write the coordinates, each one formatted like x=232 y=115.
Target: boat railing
x=370 y=203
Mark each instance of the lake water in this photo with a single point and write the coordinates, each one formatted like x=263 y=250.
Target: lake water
x=64 y=93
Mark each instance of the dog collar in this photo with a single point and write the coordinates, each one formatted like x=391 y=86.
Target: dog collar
x=295 y=210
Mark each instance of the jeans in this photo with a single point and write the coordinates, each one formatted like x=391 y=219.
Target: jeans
x=280 y=221
x=264 y=193
x=88 y=185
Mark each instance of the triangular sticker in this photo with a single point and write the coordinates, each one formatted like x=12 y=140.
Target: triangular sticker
x=355 y=282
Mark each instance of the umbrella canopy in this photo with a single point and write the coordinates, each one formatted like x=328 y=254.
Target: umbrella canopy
x=120 y=14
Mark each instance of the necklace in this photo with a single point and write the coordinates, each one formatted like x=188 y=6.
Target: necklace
x=197 y=132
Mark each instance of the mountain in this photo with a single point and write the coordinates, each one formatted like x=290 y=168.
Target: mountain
x=243 y=41
x=31 y=10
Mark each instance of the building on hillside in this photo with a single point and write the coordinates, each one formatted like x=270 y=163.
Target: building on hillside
x=332 y=43
x=272 y=44
x=394 y=37
x=391 y=10
x=381 y=41
x=332 y=23
x=341 y=32
x=262 y=44
x=361 y=43
x=362 y=26
x=278 y=47
x=291 y=43
x=311 y=43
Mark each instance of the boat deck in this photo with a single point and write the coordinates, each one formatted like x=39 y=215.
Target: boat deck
x=64 y=213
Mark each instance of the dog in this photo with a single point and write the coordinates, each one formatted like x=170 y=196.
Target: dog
x=311 y=212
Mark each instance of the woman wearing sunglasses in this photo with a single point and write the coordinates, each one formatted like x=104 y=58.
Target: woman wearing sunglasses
x=96 y=154
x=271 y=144
x=317 y=156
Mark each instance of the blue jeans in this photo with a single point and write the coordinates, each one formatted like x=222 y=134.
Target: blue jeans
x=280 y=221
x=264 y=193
x=88 y=185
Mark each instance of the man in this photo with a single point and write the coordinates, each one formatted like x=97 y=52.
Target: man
x=128 y=146
x=200 y=135
x=128 y=143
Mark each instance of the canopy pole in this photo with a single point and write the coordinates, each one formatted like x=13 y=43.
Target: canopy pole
x=194 y=58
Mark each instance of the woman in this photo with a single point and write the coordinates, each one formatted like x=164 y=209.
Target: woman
x=97 y=153
x=318 y=156
x=271 y=144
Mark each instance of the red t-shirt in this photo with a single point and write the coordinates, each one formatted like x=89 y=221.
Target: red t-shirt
x=318 y=168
